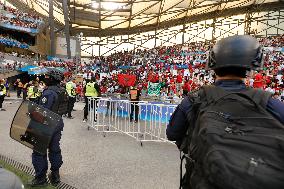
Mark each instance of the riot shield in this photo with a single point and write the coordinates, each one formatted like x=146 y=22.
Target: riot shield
x=33 y=126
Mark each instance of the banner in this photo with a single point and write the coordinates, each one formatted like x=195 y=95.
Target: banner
x=126 y=80
x=154 y=89
x=278 y=49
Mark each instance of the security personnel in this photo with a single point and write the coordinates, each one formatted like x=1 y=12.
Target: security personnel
x=50 y=100
x=71 y=90
x=33 y=92
x=91 y=90
x=134 y=98
x=230 y=58
x=2 y=94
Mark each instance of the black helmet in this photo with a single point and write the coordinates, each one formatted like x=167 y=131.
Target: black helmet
x=55 y=74
x=236 y=51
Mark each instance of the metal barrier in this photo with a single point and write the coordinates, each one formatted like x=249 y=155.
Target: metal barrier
x=140 y=120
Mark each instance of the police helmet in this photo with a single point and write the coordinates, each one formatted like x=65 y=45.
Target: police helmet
x=242 y=51
x=55 y=74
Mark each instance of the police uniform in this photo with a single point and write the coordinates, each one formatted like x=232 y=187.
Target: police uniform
x=2 y=95
x=49 y=100
x=70 y=87
x=178 y=124
x=230 y=58
x=91 y=90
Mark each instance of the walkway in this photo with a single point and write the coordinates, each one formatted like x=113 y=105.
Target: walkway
x=92 y=161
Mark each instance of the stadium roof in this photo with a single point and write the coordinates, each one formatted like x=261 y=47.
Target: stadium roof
x=122 y=17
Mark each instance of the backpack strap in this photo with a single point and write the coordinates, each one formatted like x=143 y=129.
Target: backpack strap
x=195 y=98
x=256 y=96
x=259 y=96
x=214 y=93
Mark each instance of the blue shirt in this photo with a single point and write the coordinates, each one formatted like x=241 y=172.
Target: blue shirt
x=178 y=123
x=48 y=98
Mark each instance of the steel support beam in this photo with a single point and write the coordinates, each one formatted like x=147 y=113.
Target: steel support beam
x=67 y=27
x=51 y=29
x=175 y=22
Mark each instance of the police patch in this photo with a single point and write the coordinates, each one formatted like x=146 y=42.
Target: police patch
x=44 y=100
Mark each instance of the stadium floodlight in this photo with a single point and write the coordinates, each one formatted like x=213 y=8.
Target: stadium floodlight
x=95 y=4
x=107 y=5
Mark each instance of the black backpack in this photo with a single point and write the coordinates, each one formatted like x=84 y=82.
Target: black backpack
x=61 y=103
x=233 y=142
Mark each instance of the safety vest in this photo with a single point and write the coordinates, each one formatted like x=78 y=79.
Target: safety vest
x=91 y=91
x=31 y=93
x=70 y=89
x=3 y=92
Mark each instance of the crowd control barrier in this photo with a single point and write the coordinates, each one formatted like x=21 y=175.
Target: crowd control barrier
x=144 y=121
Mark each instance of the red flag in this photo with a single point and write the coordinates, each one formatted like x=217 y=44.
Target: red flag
x=126 y=80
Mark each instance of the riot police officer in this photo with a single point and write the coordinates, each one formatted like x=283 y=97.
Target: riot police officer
x=71 y=90
x=54 y=99
x=2 y=94
x=91 y=90
x=230 y=59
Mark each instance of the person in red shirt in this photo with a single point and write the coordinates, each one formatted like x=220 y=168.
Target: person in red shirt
x=152 y=77
x=173 y=88
x=186 y=87
x=79 y=91
x=103 y=89
x=258 y=80
x=179 y=78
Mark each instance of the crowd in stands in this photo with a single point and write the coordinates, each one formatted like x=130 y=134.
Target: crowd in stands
x=15 y=62
x=181 y=69
x=15 y=54
x=178 y=69
x=14 y=17
x=10 y=65
x=10 y=42
x=68 y=66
